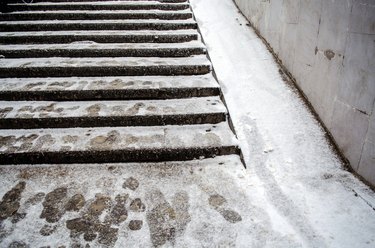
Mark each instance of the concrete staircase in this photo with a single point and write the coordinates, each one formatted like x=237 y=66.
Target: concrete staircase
x=107 y=81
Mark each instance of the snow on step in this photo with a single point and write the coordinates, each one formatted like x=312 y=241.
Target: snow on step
x=42 y=114
x=100 y=62
x=179 y=195
x=107 y=5
x=54 y=25
x=85 y=15
x=98 y=32
x=104 y=36
x=105 y=66
x=158 y=11
x=94 y=45
x=74 y=88
x=92 y=49
x=119 y=144
x=41 y=22
x=80 y=3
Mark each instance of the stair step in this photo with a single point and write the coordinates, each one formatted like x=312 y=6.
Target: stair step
x=107 y=5
x=104 y=66
x=120 y=144
x=42 y=114
x=92 y=49
x=107 y=88
x=95 y=15
x=134 y=36
x=56 y=25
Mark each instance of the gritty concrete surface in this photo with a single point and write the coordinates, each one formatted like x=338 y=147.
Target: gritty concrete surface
x=89 y=88
x=106 y=83
x=294 y=192
x=328 y=46
x=42 y=109
x=112 y=205
x=294 y=173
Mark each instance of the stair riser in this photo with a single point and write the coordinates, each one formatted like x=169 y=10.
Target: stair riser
x=96 y=16
x=112 y=121
x=32 y=7
x=161 y=52
x=124 y=155
x=103 y=71
x=98 y=39
x=96 y=26
x=118 y=94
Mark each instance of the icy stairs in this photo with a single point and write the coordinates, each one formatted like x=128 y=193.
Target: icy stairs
x=107 y=81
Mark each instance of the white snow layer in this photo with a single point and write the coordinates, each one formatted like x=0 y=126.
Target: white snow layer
x=291 y=168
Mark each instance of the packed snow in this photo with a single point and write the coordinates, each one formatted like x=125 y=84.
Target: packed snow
x=291 y=167
x=294 y=192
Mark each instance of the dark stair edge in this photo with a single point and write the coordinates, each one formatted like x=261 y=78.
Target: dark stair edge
x=111 y=121
x=95 y=71
x=108 y=94
x=132 y=52
x=92 y=16
x=113 y=156
x=160 y=6
x=53 y=39
x=95 y=26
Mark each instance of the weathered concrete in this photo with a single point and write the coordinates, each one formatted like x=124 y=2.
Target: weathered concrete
x=328 y=46
x=95 y=15
x=41 y=114
x=116 y=144
x=108 y=88
x=92 y=49
x=12 y=26
x=50 y=37
x=103 y=66
x=110 y=5
x=130 y=204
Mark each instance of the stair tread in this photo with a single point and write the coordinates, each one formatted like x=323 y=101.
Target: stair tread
x=158 y=11
x=98 y=5
x=62 y=62
x=118 y=138
x=51 y=109
x=101 y=46
x=107 y=83
x=108 y=21
x=47 y=3
x=101 y=32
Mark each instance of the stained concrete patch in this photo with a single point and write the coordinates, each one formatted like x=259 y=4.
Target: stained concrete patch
x=217 y=202
x=135 y=225
x=54 y=205
x=161 y=219
x=10 y=203
x=140 y=205
x=75 y=203
x=103 y=142
x=35 y=199
x=137 y=205
x=131 y=183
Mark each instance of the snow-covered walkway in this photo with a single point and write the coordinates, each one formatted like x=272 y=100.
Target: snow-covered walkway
x=294 y=192
x=292 y=173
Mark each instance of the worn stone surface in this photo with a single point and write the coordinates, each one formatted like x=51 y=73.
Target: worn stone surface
x=112 y=204
x=10 y=203
x=131 y=183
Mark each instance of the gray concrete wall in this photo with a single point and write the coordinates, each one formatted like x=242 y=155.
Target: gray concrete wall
x=329 y=48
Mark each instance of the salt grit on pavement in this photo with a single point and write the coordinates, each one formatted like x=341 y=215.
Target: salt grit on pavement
x=294 y=192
